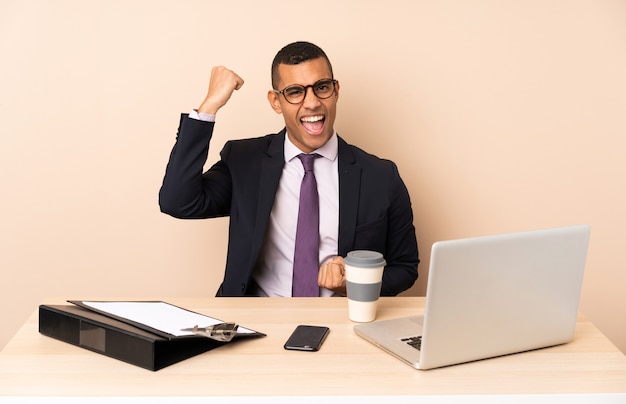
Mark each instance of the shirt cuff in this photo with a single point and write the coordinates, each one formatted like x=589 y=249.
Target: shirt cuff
x=194 y=114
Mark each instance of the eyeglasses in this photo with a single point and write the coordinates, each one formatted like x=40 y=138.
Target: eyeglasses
x=296 y=93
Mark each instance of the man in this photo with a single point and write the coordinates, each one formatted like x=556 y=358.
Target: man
x=363 y=203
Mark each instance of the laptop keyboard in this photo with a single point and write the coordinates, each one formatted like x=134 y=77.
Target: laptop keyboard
x=415 y=342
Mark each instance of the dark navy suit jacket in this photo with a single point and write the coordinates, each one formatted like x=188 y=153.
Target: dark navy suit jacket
x=374 y=206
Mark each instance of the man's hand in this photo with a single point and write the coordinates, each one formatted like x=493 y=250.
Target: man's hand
x=332 y=275
x=223 y=83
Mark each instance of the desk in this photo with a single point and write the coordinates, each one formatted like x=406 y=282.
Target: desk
x=35 y=365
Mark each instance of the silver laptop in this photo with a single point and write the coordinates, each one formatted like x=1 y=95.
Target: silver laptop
x=491 y=296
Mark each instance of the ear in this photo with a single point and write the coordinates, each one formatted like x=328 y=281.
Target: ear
x=272 y=97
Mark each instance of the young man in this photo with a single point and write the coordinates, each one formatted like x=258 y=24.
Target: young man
x=363 y=202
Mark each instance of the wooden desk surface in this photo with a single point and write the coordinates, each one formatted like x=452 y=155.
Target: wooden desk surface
x=35 y=365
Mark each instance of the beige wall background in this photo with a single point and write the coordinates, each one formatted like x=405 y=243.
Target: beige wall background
x=501 y=115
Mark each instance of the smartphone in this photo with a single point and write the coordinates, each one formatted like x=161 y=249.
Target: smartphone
x=307 y=338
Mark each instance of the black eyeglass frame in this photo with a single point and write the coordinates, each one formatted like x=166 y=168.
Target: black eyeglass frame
x=306 y=88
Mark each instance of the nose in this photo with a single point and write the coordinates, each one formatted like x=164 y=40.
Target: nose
x=310 y=101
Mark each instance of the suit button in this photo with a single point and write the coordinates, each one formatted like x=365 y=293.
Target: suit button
x=243 y=287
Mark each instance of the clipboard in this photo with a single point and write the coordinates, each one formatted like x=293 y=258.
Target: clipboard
x=158 y=317
x=125 y=339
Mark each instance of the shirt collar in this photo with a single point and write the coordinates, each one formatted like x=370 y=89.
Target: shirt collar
x=328 y=151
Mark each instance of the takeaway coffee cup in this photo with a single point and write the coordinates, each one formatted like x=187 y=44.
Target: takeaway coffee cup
x=364 y=275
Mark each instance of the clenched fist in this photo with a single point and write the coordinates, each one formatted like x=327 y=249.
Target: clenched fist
x=221 y=86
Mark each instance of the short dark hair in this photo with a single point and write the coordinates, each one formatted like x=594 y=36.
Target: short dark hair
x=296 y=53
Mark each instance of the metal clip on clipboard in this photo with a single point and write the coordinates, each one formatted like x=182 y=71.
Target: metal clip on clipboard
x=223 y=332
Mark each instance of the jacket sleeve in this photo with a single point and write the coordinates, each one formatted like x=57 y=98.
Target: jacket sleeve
x=401 y=251
x=187 y=192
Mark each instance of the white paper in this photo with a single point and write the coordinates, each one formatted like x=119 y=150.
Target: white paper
x=160 y=316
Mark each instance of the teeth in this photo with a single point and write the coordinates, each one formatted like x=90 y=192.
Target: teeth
x=312 y=118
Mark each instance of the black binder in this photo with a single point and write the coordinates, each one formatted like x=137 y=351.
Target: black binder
x=120 y=340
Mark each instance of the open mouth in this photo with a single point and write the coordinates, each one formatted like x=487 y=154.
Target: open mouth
x=313 y=125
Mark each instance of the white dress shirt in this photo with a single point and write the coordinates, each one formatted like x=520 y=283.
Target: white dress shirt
x=274 y=272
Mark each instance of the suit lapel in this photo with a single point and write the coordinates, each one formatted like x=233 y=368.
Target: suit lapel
x=349 y=188
x=270 y=171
